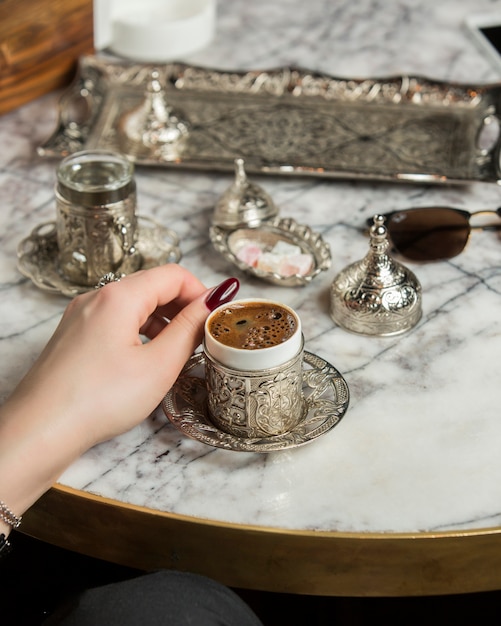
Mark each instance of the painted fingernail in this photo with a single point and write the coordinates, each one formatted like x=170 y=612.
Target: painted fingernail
x=223 y=293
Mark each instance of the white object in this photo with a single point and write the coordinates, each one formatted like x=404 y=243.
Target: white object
x=253 y=360
x=153 y=30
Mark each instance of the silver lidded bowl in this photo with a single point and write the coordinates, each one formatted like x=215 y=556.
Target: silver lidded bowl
x=244 y=203
x=247 y=231
x=378 y=295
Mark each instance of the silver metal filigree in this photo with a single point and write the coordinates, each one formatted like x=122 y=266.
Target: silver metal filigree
x=325 y=392
x=255 y=404
x=153 y=128
x=377 y=295
x=291 y=121
x=109 y=277
x=244 y=203
x=91 y=244
x=38 y=255
x=95 y=215
x=228 y=243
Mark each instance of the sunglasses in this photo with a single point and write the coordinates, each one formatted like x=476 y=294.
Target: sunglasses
x=432 y=233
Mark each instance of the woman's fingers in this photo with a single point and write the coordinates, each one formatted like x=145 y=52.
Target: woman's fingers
x=153 y=325
x=175 y=343
x=167 y=288
x=158 y=320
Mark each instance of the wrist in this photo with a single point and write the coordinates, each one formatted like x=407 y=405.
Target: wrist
x=35 y=448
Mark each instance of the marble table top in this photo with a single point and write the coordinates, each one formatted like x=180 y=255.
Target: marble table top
x=418 y=449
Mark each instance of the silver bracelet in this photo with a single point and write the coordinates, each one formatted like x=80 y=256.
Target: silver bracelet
x=8 y=516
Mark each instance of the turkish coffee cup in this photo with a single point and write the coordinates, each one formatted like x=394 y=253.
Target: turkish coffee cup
x=254 y=368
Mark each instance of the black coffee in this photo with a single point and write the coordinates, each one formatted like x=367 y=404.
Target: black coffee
x=252 y=325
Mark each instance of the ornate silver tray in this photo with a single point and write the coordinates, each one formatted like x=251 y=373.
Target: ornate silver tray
x=325 y=390
x=295 y=122
x=38 y=255
x=266 y=235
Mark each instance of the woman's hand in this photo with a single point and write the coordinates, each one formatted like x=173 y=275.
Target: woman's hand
x=96 y=378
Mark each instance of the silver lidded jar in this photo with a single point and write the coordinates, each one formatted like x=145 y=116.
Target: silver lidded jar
x=377 y=295
x=96 y=216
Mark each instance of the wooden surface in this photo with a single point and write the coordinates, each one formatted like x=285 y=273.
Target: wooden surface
x=39 y=45
x=253 y=557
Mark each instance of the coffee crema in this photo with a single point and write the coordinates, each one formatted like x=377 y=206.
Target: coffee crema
x=252 y=325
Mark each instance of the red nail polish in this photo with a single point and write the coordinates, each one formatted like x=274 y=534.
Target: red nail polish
x=223 y=293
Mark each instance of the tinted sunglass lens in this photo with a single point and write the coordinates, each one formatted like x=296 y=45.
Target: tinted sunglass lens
x=429 y=234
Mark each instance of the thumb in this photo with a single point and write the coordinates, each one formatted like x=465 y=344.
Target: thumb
x=174 y=345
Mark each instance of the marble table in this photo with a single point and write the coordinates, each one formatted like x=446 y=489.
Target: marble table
x=402 y=497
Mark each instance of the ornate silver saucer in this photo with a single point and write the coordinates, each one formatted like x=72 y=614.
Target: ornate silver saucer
x=38 y=255
x=230 y=243
x=325 y=390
